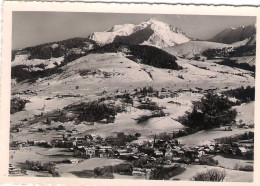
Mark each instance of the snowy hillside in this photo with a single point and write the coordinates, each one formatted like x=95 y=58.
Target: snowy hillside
x=87 y=77
x=155 y=33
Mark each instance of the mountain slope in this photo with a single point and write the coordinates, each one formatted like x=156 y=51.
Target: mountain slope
x=232 y=35
x=142 y=54
x=53 y=50
x=136 y=38
x=31 y=70
x=193 y=48
x=90 y=75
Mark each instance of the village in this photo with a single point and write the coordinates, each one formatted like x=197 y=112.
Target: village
x=162 y=149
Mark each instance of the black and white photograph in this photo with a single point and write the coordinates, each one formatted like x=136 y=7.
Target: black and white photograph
x=137 y=96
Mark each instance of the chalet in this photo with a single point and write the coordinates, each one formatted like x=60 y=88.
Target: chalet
x=211 y=147
x=60 y=127
x=162 y=95
x=197 y=161
x=225 y=128
x=158 y=153
x=168 y=155
x=13 y=130
x=141 y=174
x=242 y=151
x=210 y=89
x=84 y=152
x=89 y=137
x=151 y=159
x=105 y=147
x=14 y=171
x=201 y=153
x=167 y=162
x=73 y=161
x=194 y=90
x=122 y=151
x=198 y=88
x=179 y=153
x=105 y=153
x=111 y=119
x=120 y=95
x=163 y=90
x=126 y=155
x=176 y=159
x=104 y=92
x=74 y=131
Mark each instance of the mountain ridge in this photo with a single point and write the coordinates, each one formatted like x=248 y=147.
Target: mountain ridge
x=164 y=35
x=232 y=35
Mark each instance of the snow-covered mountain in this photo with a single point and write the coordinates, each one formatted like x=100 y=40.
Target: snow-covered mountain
x=151 y=32
x=232 y=35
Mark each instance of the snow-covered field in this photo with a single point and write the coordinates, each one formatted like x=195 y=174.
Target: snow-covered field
x=207 y=137
x=23 y=60
x=231 y=175
x=124 y=74
x=246 y=112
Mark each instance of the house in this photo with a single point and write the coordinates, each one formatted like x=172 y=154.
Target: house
x=84 y=152
x=225 y=128
x=165 y=95
x=186 y=90
x=74 y=131
x=105 y=153
x=201 y=153
x=139 y=172
x=163 y=90
x=104 y=92
x=194 y=90
x=158 y=153
x=89 y=137
x=167 y=162
x=176 y=159
x=178 y=153
x=126 y=155
x=197 y=161
x=73 y=161
x=210 y=89
x=61 y=127
x=14 y=171
x=111 y=119
x=242 y=151
x=122 y=151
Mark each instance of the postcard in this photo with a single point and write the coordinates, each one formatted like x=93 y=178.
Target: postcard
x=123 y=94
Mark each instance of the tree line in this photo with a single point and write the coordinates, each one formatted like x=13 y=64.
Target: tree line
x=243 y=94
x=211 y=111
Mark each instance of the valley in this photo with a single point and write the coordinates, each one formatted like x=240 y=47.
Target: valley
x=109 y=106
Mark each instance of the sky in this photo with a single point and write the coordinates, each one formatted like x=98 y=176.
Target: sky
x=33 y=28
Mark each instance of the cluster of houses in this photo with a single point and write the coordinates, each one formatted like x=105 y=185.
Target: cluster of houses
x=91 y=146
x=237 y=145
x=16 y=171
x=142 y=172
x=150 y=92
x=158 y=151
x=26 y=92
